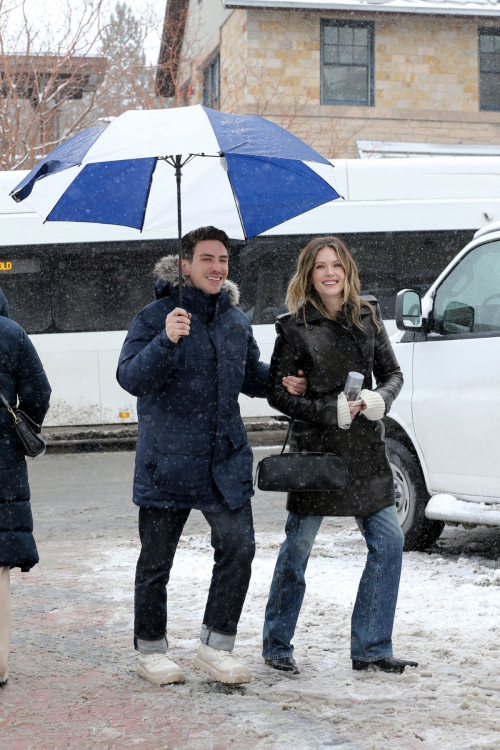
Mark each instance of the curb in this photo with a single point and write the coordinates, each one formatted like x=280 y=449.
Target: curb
x=94 y=439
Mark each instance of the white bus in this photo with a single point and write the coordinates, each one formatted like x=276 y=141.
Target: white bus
x=76 y=287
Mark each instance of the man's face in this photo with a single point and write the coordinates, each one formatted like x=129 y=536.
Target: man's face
x=209 y=267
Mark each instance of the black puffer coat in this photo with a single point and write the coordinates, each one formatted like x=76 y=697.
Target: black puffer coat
x=327 y=351
x=190 y=429
x=22 y=381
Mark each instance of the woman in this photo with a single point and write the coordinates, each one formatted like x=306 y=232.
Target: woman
x=23 y=381
x=330 y=331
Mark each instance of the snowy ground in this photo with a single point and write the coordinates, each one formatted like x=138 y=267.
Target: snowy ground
x=73 y=670
x=448 y=619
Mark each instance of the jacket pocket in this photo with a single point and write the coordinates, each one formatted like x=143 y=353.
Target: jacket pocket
x=235 y=353
x=183 y=461
x=236 y=345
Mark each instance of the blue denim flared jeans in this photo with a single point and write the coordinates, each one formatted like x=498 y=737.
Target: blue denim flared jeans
x=375 y=607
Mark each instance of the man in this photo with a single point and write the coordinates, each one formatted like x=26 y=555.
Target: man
x=188 y=367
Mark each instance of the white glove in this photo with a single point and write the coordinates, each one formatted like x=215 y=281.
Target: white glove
x=343 y=413
x=375 y=405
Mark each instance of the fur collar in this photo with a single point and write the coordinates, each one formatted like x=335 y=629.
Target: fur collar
x=167 y=270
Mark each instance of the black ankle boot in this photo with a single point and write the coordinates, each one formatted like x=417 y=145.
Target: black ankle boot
x=384 y=665
x=284 y=664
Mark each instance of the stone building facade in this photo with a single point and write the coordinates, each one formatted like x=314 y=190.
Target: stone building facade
x=424 y=70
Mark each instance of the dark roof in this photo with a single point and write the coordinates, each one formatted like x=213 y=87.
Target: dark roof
x=29 y=74
x=171 y=45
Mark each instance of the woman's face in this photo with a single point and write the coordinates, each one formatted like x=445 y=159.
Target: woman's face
x=328 y=275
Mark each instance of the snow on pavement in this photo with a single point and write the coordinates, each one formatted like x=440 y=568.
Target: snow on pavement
x=76 y=613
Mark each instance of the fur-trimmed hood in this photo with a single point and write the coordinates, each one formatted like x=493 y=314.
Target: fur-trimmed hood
x=167 y=271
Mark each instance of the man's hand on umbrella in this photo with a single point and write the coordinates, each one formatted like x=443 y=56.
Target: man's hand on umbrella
x=295 y=385
x=177 y=324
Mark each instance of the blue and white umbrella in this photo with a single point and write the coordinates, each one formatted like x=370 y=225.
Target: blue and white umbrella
x=242 y=174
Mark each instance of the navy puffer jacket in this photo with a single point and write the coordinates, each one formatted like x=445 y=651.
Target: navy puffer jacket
x=23 y=382
x=190 y=427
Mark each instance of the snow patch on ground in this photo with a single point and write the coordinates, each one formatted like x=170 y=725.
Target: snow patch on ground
x=448 y=619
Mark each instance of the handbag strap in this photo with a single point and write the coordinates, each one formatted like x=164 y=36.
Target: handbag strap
x=8 y=406
x=291 y=423
x=15 y=416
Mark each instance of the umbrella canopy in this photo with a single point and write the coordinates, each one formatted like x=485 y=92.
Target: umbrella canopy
x=117 y=174
x=243 y=174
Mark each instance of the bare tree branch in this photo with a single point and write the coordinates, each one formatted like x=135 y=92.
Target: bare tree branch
x=57 y=78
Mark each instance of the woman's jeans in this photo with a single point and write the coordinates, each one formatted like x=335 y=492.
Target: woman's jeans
x=234 y=546
x=373 y=615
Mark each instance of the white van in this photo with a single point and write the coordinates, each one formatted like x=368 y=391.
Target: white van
x=444 y=429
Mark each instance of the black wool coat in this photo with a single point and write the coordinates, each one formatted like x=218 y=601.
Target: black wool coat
x=23 y=382
x=327 y=350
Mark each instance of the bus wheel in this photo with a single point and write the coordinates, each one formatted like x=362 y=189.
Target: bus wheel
x=411 y=498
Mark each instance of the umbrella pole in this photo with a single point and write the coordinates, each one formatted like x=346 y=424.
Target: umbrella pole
x=178 y=174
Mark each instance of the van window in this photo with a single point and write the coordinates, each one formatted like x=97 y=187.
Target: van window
x=468 y=300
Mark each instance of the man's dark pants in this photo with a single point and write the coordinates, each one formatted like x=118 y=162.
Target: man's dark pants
x=234 y=545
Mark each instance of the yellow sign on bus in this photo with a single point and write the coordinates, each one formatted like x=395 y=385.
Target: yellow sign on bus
x=5 y=265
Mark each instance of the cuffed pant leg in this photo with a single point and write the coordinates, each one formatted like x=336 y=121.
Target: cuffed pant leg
x=375 y=607
x=233 y=541
x=288 y=585
x=160 y=530
x=5 y=618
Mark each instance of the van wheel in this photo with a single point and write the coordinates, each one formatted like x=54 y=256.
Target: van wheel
x=411 y=498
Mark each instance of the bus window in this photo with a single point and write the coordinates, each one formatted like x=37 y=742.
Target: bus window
x=262 y=269
x=25 y=280
x=390 y=261
x=101 y=288
x=387 y=262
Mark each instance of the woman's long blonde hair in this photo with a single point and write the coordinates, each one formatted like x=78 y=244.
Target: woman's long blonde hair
x=301 y=289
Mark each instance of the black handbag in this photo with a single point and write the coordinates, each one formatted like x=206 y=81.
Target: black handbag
x=27 y=431
x=302 y=472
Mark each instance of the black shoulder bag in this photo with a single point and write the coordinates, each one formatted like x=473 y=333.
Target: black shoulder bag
x=302 y=472
x=27 y=431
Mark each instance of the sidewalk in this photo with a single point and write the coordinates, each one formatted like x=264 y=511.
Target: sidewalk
x=74 y=685
x=73 y=682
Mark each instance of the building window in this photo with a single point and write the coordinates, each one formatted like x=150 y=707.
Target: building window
x=489 y=69
x=347 y=62
x=211 y=84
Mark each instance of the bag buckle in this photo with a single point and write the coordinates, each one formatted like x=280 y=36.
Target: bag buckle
x=16 y=418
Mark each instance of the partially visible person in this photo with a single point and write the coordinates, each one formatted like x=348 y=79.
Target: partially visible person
x=22 y=382
x=329 y=332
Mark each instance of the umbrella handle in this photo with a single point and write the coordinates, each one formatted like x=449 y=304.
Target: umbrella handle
x=178 y=175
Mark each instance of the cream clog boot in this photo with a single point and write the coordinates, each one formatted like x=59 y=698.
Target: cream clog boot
x=159 y=669
x=221 y=665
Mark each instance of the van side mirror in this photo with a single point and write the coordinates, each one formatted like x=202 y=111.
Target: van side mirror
x=408 y=310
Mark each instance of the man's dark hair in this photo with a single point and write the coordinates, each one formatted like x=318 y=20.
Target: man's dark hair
x=190 y=240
